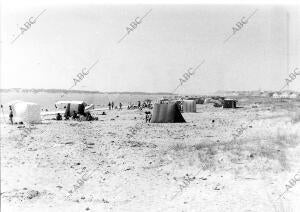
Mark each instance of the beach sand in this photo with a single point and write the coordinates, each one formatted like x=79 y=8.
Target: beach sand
x=121 y=163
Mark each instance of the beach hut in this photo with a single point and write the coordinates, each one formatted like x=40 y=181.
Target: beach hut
x=166 y=113
x=189 y=106
x=229 y=103
x=26 y=112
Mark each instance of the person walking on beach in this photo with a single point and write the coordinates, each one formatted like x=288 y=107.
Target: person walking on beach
x=139 y=104
x=112 y=105
x=109 y=105
x=11 y=115
x=120 y=106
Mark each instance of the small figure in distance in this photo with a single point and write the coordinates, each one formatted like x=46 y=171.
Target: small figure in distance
x=58 y=117
x=74 y=116
x=112 y=105
x=11 y=115
x=148 y=116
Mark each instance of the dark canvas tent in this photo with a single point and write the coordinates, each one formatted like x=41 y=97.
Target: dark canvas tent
x=189 y=106
x=229 y=103
x=166 y=113
x=74 y=107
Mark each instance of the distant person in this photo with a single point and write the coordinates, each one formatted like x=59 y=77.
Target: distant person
x=112 y=105
x=120 y=106
x=58 y=117
x=89 y=117
x=148 y=116
x=11 y=115
x=109 y=105
x=139 y=104
x=74 y=116
x=66 y=116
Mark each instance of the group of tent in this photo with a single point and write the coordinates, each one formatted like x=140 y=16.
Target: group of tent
x=166 y=112
x=170 y=111
x=29 y=112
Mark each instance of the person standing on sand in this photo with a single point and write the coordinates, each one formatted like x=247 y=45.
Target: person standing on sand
x=120 y=106
x=58 y=117
x=109 y=105
x=112 y=105
x=11 y=115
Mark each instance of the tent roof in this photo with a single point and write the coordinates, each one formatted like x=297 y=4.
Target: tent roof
x=14 y=102
x=21 y=102
x=70 y=102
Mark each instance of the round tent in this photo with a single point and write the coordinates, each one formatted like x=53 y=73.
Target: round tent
x=189 y=106
x=26 y=112
x=166 y=113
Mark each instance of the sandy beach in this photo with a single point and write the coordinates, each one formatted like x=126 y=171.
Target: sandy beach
x=121 y=163
x=150 y=106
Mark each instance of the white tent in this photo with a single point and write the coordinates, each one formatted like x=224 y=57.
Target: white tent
x=26 y=112
x=63 y=104
x=90 y=107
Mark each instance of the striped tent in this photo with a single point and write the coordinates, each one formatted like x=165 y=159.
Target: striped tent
x=189 y=106
x=166 y=113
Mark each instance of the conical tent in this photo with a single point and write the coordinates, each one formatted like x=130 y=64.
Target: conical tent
x=166 y=113
x=189 y=106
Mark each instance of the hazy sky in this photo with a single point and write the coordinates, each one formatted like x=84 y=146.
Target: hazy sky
x=153 y=57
